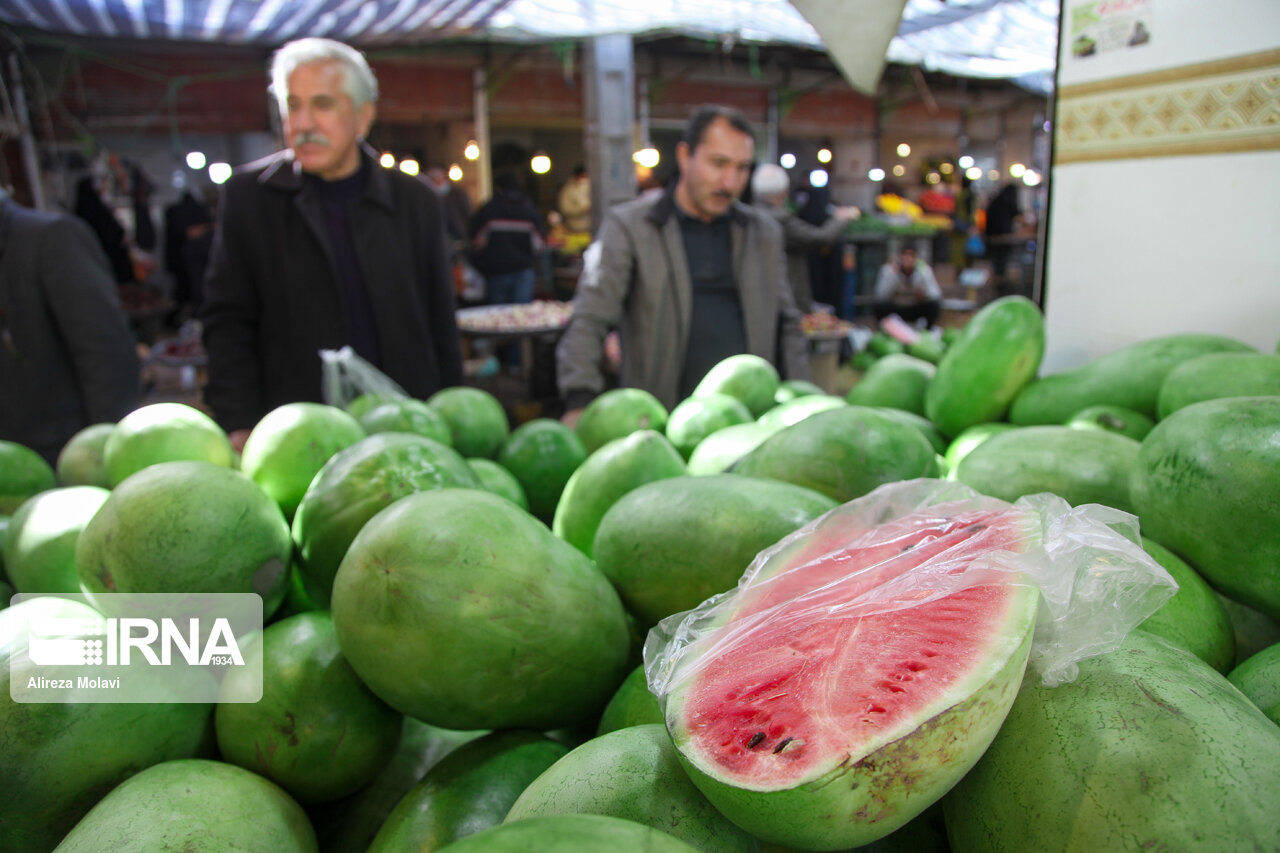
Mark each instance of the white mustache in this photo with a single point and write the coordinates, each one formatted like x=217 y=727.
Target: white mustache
x=310 y=137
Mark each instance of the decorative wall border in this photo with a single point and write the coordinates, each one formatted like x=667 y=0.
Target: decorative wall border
x=1225 y=106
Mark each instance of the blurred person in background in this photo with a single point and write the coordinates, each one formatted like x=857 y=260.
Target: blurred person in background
x=67 y=356
x=907 y=287
x=771 y=187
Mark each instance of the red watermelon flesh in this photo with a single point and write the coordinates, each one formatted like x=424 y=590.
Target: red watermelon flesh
x=848 y=638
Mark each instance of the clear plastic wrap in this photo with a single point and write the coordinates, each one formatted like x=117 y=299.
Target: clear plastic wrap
x=916 y=541
x=346 y=376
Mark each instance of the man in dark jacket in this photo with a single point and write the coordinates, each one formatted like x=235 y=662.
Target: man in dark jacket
x=507 y=235
x=318 y=247
x=67 y=356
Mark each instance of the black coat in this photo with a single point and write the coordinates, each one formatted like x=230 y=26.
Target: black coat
x=68 y=358
x=272 y=296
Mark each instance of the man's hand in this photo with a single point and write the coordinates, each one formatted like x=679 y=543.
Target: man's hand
x=570 y=418
x=847 y=214
x=238 y=438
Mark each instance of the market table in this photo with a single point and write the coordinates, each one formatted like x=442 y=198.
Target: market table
x=521 y=324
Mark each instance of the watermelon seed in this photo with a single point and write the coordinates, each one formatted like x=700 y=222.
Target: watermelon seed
x=915 y=666
x=782 y=744
x=755 y=740
x=975 y=527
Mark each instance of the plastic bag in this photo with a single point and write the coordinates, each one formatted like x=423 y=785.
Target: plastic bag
x=345 y=376
x=1095 y=583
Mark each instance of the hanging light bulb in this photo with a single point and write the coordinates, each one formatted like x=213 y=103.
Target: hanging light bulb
x=904 y=150
x=195 y=160
x=824 y=155
x=647 y=157
x=387 y=160
x=876 y=175
x=787 y=161
x=219 y=172
x=540 y=164
x=818 y=178
x=455 y=172
x=966 y=162
x=472 y=151
x=409 y=166
x=1017 y=170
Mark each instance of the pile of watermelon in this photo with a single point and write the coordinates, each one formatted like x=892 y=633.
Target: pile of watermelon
x=731 y=625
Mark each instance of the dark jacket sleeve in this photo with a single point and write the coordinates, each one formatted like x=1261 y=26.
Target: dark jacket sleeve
x=84 y=299
x=443 y=306
x=231 y=317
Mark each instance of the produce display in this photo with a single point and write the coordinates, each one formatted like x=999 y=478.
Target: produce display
x=541 y=315
x=731 y=625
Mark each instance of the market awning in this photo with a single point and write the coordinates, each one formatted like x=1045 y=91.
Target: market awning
x=999 y=39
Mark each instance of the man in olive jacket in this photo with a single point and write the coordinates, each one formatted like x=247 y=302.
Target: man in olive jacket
x=688 y=279
x=318 y=247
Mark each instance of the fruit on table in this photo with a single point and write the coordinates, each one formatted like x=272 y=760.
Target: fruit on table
x=56 y=759
x=1080 y=466
x=618 y=412
x=350 y=824
x=408 y=415
x=193 y=804
x=969 y=438
x=607 y=474
x=632 y=705
x=695 y=418
x=40 y=546
x=469 y=790
x=462 y=610
x=494 y=478
x=477 y=421
x=668 y=545
x=1258 y=677
x=1148 y=748
x=81 y=461
x=1118 y=419
x=718 y=452
x=317 y=731
x=187 y=527
x=796 y=410
x=1195 y=618
x=290 y=444
x=843 y=453
x=1129 y=377
x=561 y=833
x=164 y=432
x=815 y=726
x=898 y=381
x=1217 y=375
x=981 y=373
x=745 y=377
x=353 y=486
x=632 y=773
x=1205 y=486
x=23 y=473
x=542 y=454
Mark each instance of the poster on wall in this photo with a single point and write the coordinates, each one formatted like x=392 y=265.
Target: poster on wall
x=1098 y=26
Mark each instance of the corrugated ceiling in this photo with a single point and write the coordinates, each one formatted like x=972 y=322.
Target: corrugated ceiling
x=1010 y=39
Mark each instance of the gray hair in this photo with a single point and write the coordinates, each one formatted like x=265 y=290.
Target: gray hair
x=769 y=180
x=361 y=85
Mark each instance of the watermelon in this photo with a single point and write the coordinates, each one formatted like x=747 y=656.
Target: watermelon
x=859 y=670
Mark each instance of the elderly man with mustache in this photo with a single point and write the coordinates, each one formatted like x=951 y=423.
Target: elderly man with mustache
x=687 y=278
x=318 y=247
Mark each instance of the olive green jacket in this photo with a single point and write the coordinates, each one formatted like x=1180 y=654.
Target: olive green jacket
x=635 y=279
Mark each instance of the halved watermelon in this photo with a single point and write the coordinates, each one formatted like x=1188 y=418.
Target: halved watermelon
x=860 y=669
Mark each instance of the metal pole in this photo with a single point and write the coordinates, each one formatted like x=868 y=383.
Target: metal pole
x=484 y=165
x=26 y=140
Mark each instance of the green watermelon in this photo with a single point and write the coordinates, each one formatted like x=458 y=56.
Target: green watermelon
x=1149 y=748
